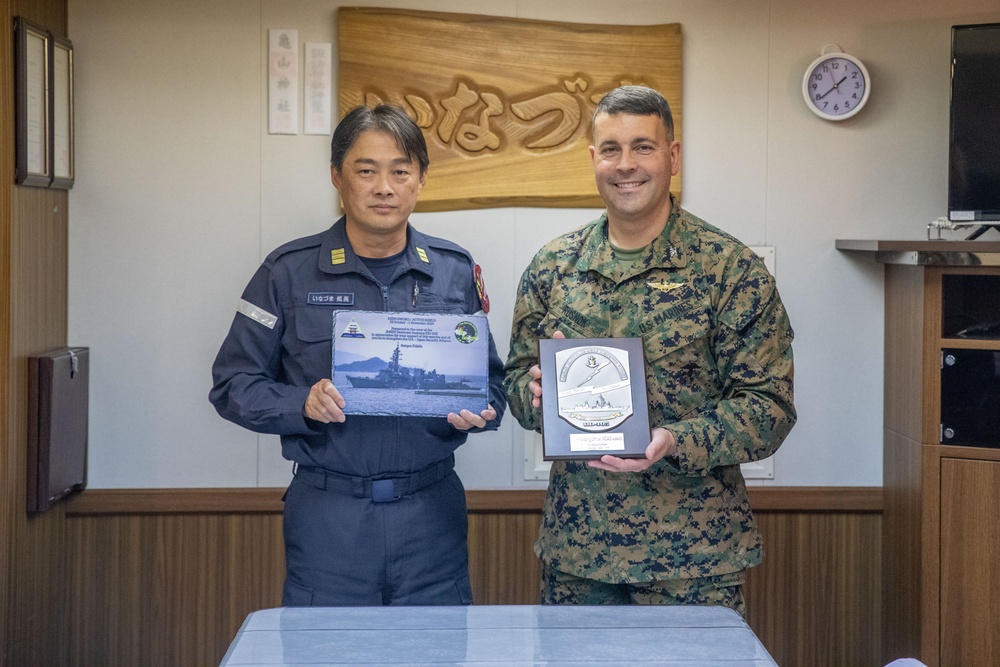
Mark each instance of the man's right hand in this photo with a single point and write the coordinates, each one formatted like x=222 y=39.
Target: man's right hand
x=535 y=385
x=324 y=403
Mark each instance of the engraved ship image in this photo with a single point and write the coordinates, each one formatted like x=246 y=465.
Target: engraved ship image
x=601 y=409
x=397 y=376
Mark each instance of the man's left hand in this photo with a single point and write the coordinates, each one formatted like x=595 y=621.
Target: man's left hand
x=465 y=419
x=662 y=444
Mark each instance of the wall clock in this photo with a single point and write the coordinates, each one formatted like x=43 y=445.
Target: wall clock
x=836 y=85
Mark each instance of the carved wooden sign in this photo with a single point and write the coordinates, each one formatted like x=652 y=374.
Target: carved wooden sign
x=505 y=104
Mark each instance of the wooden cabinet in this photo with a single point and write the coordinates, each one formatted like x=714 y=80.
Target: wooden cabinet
x=970 y=560
x=941 y=502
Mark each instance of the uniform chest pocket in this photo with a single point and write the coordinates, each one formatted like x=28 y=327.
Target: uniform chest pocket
x=681 y=373
x=313 y=324
x=429 y=302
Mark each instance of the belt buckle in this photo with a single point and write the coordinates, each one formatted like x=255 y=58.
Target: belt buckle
x=383 y=492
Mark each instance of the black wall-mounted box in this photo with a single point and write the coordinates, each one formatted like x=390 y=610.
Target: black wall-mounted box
x=58 y=390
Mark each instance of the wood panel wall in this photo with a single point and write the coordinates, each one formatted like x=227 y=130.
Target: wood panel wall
x=8 y=472
x=815 y=600
x=33 y=298
x=155 y=581
x=36 y=547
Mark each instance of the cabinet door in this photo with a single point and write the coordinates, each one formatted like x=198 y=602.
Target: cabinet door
x=970 y=397
x=970 y=562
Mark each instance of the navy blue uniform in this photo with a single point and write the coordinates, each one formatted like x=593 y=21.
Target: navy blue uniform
x=344 y=545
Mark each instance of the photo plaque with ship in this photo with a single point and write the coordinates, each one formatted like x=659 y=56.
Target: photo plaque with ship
x=410 y=364
x=593 y=398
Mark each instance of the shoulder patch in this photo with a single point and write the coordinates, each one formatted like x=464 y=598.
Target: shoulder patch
x=484 y=299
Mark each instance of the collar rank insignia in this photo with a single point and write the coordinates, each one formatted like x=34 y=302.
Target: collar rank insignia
x=422 y=254
x=337 y=256
x=663 y=285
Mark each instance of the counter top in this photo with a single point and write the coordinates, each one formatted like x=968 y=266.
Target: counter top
x=925 y=253
x=495 y=635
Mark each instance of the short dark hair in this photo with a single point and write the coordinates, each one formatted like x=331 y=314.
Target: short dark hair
x=636 y=101
x=385 y=118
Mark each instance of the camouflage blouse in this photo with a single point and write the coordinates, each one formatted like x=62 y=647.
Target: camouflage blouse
x=717 y=343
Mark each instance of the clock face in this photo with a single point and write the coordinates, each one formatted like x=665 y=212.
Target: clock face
x=836 y=86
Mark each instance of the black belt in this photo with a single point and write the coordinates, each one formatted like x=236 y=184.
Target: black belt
x=381 y=489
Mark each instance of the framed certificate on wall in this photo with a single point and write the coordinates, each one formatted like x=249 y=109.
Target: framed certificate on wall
x=31 y=82
x=61 y=112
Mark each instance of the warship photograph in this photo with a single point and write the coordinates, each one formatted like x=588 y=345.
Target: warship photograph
x=397 y=376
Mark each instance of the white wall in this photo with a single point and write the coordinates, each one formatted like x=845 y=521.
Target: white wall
x=180 y=192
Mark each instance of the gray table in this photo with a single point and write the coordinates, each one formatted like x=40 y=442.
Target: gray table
x=497 y=635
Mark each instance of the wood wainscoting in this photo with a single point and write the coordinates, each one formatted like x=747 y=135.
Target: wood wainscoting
x=166 y=577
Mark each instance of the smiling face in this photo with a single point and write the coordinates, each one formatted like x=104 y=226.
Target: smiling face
x=378 y=187
x=634 y=159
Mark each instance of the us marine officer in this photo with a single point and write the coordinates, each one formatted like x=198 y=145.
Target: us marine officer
x=674 y=527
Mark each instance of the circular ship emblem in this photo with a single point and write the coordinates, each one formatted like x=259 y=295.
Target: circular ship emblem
x=593 y=387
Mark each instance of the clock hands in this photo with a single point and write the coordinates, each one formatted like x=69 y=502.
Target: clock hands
x=835 y=87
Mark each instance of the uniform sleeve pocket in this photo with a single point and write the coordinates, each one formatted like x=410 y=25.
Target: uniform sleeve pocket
x=314 y=325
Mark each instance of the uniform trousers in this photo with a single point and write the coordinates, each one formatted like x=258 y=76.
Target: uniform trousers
x=724 y=590
x=343 y=550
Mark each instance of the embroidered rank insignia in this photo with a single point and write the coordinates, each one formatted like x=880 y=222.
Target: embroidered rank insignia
x=484 y=299
x=663 y=285
x=422 y=254
x=337 y=256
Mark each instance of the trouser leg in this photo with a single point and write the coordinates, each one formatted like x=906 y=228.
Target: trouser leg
x=724 y=590
x=563 y=588
x=721 y=590
x=334 y=549
x=347 y=551
x=428 y=548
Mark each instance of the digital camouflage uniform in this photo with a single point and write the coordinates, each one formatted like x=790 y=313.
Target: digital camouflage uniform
x=717 y=344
